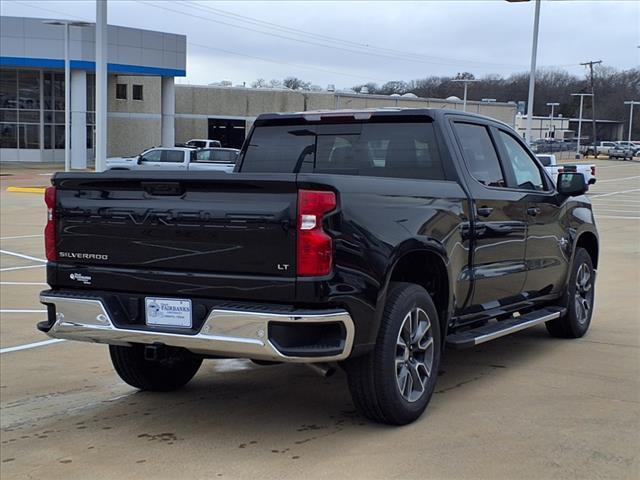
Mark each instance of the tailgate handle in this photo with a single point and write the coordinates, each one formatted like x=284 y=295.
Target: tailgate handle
x=163 y=188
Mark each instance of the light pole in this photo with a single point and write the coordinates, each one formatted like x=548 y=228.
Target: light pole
x=552 y=105
x=466 y=82
x=631 y=103
x=67 y=85
x=532 y=71
x=581 y=95
x=101 y=85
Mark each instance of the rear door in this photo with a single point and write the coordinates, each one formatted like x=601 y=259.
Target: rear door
x=498 y=257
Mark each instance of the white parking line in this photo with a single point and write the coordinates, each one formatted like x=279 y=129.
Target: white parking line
x=27 y=346
x=20 y=236
x=617 y=217
x=13 y=310
x=617 y=179
x=608 y=194
x=24 y=283
x=21 y=255
x=8 y=269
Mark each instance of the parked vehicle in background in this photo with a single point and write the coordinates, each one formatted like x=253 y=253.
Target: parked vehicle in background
x=222 y=158
x=622 y=152
x=550 y=164
x=161 y=158
x=633 y=146
x=203 y=143
x=373 y=238
x=603 y=148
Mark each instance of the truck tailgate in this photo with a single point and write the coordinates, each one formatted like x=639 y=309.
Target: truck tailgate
x=178 y=233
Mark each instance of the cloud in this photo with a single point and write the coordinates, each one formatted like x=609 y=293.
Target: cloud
x=351 y=42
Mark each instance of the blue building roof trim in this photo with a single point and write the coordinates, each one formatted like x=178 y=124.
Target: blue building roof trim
x=91 y=66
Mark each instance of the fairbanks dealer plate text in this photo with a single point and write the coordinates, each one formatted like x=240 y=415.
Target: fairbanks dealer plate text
x=168 y=312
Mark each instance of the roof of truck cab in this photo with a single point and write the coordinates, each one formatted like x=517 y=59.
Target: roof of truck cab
x=365 y=113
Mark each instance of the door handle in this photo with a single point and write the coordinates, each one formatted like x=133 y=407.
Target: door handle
x=533 y=211
x=484 y=211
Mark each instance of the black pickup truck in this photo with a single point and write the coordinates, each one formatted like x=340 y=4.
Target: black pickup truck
x=367 y=239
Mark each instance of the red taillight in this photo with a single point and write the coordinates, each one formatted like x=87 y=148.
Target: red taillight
x=593 y=170
x=50 y=229
x=315 y=248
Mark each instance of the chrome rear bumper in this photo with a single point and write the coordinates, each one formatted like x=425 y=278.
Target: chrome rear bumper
x=229 y=333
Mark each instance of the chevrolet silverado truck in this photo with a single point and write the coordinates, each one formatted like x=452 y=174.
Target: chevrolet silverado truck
x=371 y=239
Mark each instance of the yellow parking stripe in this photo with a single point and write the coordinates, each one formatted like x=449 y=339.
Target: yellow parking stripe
x=26 y=189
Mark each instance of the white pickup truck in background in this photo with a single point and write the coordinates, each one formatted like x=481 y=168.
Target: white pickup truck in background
x=177 y=158
x=551 y=166
x=203 y=143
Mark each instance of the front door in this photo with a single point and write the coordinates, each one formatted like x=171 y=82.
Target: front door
x=498 y=257
x=547 y=241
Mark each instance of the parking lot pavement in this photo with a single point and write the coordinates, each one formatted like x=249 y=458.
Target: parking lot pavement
x=525 y=406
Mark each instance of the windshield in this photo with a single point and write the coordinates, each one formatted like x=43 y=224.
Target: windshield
x=399 y=149
x=197 y=143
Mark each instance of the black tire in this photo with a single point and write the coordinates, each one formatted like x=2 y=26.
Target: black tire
x=579 y=299
x=170 y=373
x=375 y=379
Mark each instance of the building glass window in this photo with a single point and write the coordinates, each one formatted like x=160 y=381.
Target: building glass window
x=8 y=135
x=137 y=92
x=121 y=91
x=29 y=90
x=29 y=136
x=58 y=91
x=8 y=89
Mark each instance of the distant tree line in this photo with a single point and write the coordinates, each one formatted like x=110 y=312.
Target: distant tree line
x=613 y=87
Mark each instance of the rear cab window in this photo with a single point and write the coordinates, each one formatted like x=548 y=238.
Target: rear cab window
x=398 y=149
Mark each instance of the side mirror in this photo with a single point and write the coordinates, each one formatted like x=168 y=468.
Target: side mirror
x=572 y=184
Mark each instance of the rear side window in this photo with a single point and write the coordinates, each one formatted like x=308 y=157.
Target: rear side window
x=480 y=154
x=399 y=150
x=216 y=156
x=174 y=156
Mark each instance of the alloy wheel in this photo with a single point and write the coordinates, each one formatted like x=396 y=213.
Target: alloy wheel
x=414 y=354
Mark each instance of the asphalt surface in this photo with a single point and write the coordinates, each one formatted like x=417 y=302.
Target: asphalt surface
x=525 y=406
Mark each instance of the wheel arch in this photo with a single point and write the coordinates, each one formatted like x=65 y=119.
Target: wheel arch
x=426 y=266
x=589 y=241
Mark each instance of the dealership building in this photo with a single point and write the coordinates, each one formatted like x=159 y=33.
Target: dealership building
x=145 y=106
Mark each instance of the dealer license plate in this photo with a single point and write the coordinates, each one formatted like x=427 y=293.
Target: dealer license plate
x=168 y=312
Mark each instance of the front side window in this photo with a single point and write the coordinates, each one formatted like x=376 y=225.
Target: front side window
x=152 y=156
x=480 y=154
x=526 y=172
x=121 y=91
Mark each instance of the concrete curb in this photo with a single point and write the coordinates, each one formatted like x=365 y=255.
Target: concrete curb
x=26 y=189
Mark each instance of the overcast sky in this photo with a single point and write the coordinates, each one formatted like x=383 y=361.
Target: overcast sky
x=347 y=43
